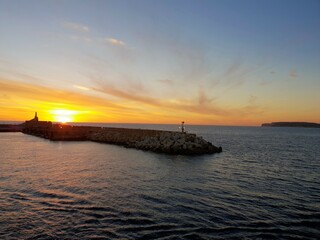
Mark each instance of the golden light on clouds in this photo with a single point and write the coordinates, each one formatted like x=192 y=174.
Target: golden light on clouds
x=82 y=87
x=19 y=101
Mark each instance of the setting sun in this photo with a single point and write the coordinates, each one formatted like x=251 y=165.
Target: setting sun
x=139 y=119
x=63 y=116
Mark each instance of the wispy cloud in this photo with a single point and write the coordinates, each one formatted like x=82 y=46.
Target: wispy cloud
x=166 y=81
x=118 y=104
x=203 y=98
x=127 y=95
x=36 y=93
x=264 y=83
x=76 y=27
x=234 y=68
x=82 y=38
x=252 y=108
x=235 y=75
x=253 y=99
x=293 y=74
x=82 y=87
x=201 y=105
x=115 y=42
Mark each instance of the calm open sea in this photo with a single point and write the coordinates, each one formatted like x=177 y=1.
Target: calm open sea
x=265 y=184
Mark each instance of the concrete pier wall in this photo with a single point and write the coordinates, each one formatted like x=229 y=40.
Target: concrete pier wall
x=70 y=133
x=11 y=127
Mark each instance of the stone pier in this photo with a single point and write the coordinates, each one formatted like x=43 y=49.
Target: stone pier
x=157 y=141
x=169 y=142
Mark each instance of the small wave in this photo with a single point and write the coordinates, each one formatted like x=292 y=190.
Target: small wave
x=98 y=209
x=162 y=234
x=69 y=210
x=92 y=221
x=20 y=196
x=152 y=227
x=51 y=195
x=73 y=202
x=138 y=221
x=153 y=200
x=42 y=236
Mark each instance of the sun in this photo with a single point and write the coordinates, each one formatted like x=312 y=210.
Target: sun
x=63 y=119
x=63 y=115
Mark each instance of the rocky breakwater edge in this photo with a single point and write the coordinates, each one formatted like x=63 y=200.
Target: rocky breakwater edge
x=175 y=143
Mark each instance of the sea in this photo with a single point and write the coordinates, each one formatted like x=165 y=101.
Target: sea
x=264 y=185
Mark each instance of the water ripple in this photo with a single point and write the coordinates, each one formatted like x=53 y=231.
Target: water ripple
x=263 y=186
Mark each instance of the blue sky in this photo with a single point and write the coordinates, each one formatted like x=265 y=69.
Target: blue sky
x=214 y=62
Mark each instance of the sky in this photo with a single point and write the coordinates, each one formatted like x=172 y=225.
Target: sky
x=216 y=62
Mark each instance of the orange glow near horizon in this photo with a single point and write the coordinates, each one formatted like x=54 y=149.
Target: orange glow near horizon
x=63 y=115
x=28 y=98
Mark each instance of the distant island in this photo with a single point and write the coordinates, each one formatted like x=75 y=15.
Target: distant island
x=291 y=124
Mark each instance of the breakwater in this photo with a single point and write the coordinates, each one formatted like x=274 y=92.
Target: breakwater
x=151 y=140
x=168 y=142
x=11 y=127
x=156 y=141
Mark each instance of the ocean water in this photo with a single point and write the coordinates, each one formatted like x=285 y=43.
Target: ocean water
x=264 y=185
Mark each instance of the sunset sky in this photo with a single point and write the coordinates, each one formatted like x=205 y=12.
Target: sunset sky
x=226 y=62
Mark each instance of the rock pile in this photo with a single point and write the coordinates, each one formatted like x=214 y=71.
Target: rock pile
x=156 y=141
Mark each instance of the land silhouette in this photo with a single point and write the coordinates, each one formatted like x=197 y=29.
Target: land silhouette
x=169 y=142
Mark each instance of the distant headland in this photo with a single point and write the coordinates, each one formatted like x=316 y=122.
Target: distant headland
x=291 y=124
x=169 y=142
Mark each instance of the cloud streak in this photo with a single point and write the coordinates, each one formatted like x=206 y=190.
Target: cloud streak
x=123 y=106
x=36 y=93
x=76 y=27
x=293 y=74
x=166 y=81
x=115 y=42
x=202 y=105
x=82 y=87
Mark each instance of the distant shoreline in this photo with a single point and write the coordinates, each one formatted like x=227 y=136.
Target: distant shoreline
x=291 y=124
x=140 y=125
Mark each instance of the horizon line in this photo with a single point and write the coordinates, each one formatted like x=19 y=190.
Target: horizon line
x=191 y=124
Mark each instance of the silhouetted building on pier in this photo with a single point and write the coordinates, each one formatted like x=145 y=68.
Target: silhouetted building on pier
x=56 y=131
x=36 y=127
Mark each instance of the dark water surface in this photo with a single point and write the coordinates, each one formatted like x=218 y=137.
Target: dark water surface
x=264 y=185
